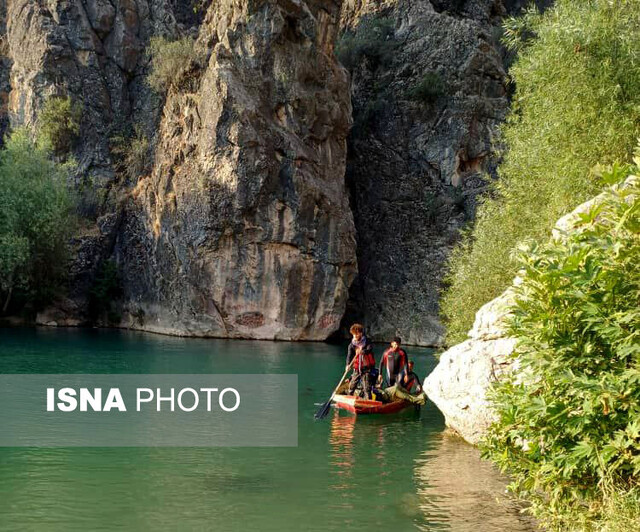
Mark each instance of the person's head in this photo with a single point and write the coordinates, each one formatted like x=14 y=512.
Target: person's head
x=395 y=343
x=410 y=365
x=357 y=330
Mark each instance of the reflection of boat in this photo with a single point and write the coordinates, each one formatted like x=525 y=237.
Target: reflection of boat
x=357 y=405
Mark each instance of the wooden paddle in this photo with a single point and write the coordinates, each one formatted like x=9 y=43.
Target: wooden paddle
x=324 y=409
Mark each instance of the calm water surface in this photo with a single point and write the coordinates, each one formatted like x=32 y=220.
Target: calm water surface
x=401 y=472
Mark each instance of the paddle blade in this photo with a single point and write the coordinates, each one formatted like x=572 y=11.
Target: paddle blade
x=323 y=410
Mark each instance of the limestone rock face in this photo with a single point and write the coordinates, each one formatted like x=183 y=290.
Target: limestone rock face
x=243 y=228
x=459 y=383
x=416 y=165
x=92 y=51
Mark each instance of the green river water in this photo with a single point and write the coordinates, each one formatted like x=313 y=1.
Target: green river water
x=382 y=472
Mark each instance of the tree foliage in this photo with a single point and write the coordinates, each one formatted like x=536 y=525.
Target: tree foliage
x=569 y=417
x=35 y=220
x=577 y=103
x=59 y=123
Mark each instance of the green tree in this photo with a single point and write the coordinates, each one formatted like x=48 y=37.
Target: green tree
x=568 y=429
x=577 y=103
x=59 y=123
x=36 y=214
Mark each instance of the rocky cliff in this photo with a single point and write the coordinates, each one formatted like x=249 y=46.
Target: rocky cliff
x=242 y=227
x=427 y=104
x=460 y=382
x=241 y=224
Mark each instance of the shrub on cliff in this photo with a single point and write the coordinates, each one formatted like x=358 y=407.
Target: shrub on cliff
x=428 y=89
x=371 y=39
x=169 y=60
x=131 y=153
x=577 y=102
x=569 y=417
x=35 y=221
x=59 y=123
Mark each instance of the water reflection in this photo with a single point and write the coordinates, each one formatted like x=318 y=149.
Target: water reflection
x=459 y=491
x=341 y=445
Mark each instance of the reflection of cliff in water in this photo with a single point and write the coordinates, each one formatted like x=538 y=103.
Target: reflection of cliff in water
x=458 y=491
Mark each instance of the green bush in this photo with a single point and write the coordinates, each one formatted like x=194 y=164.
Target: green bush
x=372 y=39
x=568 y=431
x=59 y=123
x=35 y=221
x=428 y=89
x=105 y=290
x=132 y=153
x=169 y=60
x=577 y=102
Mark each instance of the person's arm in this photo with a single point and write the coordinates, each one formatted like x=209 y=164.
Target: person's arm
x=402 y=377
x=351 y=352
x=419 y=385
x=383 y=361
x=404 y=360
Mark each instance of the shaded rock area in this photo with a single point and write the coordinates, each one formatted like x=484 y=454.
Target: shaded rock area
x=417 y=161
x=243 y=228
x=94 y=53
x=460 y=382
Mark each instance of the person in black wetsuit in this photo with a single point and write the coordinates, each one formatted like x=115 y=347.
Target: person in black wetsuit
x=362 y=350
x=393 y=362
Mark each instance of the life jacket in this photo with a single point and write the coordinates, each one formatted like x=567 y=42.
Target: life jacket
x=364 y=361
x=411 y=381
x=368 y=360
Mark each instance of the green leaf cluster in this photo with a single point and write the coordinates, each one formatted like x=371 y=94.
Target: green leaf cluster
x=36 y=214
x=131 y=153
x=576 y=104
x=568 y=428
x=59 y=123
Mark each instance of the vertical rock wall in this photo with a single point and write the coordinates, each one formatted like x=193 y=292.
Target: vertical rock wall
x=415 y=167
x=244 y=228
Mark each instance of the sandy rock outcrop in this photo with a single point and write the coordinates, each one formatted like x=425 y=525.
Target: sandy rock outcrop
x=243 y=228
